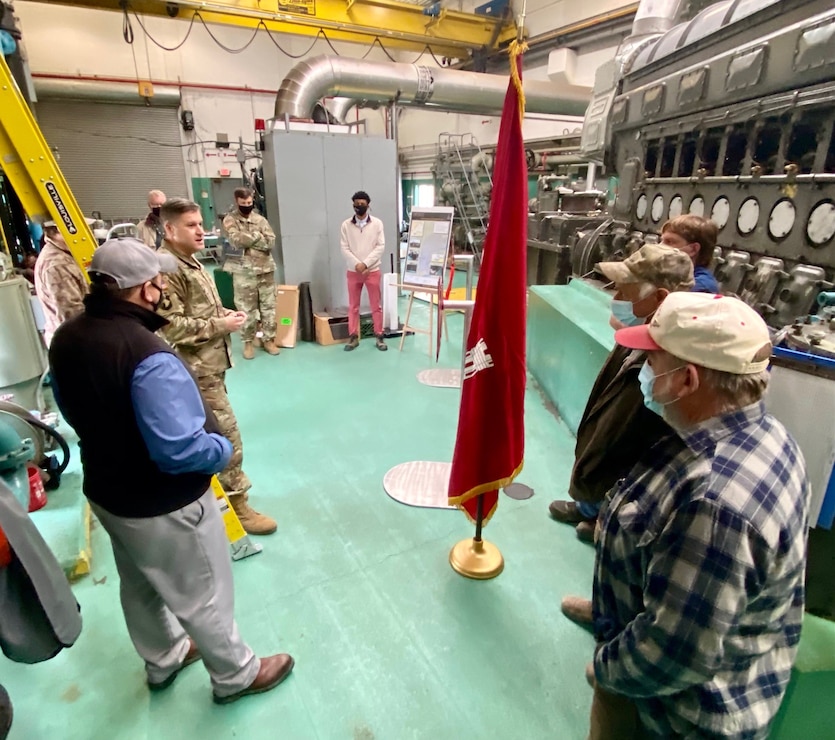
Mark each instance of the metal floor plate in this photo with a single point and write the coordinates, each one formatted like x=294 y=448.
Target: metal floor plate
x=441 y=377
x=419 y=483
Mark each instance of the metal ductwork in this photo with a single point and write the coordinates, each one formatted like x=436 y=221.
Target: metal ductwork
x=412 y=85
x=47 y=88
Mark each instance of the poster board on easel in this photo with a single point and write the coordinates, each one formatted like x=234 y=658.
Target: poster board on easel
x=427 y=250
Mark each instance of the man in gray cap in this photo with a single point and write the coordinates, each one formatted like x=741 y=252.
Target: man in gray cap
x=149 y=447
x=59 y=281
x=617 y=427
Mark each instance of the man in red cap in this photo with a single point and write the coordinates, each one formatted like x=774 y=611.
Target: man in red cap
x=698 y=583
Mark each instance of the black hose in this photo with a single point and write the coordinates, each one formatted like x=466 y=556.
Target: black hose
x=62 y=443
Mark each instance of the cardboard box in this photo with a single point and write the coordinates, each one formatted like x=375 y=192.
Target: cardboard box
x=330 y=329
x=286 y=315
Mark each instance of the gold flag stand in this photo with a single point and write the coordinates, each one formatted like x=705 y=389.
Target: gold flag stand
x=476 y=558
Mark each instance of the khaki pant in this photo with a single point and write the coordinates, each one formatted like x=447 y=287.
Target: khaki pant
x=255 y=295
x=233 y=479
x=175 y=582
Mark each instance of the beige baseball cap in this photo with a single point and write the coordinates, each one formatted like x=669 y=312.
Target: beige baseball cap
x=658 y=264
x=713 y=331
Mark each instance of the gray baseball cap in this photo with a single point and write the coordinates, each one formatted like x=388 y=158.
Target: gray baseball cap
x=130 y=262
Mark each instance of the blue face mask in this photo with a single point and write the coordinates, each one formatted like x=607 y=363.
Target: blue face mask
x=622 y=311
x=647 y=378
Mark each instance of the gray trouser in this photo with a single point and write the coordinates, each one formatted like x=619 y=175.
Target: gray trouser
x=175 y=573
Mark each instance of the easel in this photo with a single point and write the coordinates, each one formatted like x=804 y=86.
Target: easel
x=407 y=327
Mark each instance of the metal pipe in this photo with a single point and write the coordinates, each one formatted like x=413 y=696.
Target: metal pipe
x=590 y=176
x=116 y=92
x=413 y=85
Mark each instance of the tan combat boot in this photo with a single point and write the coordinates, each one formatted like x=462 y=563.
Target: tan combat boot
x=251 y=520
x=270 y=347
x=249 y=352
x=256 y=342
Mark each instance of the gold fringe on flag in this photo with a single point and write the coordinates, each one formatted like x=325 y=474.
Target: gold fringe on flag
x=517 y=49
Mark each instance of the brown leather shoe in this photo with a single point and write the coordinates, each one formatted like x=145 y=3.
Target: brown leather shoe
x=272 y=672
x=271 y=348
x=252 y=521
x=577 y=609
x=192 y=656
x=249 y=352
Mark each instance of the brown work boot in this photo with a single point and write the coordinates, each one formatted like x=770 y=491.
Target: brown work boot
x=380 y=344
x=585 y=531
x=192 y=656
x=566 y=511
x=252 y=521
x=249 y=352
x=257 y=342
x=272 y=672
x=270 y=347
x=353 y=343
x=577 y=609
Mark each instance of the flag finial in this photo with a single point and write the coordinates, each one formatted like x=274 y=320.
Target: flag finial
x=516 y=50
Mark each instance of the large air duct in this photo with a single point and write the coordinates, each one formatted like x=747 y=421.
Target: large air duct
x=413 y=85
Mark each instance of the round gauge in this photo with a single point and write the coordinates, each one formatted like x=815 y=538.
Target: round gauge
x=748 y=216
x=676 y=206
x=641 y=207
x=697 y=206
x=657 y=210
x=781 y=219
x=721 y=212
x=820 y=227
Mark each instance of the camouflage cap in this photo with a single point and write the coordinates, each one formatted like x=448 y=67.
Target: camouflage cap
x=130 y=262
x=657 y=264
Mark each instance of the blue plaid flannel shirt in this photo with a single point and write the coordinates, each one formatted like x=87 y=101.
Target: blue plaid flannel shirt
x=698 y=584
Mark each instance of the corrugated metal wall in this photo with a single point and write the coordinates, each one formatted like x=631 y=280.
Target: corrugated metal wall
x=112 y=155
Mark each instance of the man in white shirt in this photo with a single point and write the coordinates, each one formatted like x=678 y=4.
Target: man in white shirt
x=362 y=243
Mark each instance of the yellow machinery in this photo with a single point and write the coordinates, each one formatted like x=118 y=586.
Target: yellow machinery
x=28 y=163
x=397 y=24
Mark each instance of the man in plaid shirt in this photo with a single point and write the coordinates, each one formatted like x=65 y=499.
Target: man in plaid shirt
x=698 y=584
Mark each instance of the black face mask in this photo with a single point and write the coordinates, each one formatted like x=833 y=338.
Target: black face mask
x=245 y=210
x=159 y=300
x=156 y=210
x=360 y=210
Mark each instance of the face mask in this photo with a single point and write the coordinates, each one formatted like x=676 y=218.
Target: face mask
x=622 y=311
x=156 y=210
x=647 y=378
x=360 y=210
x=245 y=210
x=158 y=302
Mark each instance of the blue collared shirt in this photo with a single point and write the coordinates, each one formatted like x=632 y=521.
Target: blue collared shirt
x=698 y=584
x=704 y=281
x=171 y=417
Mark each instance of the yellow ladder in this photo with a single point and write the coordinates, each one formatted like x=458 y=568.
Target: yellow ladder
x=33 y=172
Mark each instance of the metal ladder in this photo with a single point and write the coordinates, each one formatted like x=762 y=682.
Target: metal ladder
x=460 y=164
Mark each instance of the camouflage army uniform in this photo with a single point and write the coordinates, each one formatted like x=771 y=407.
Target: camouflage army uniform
x=253 y=277
x=197 y=331
x=60 y=285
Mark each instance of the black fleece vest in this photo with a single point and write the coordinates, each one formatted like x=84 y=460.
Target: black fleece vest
x=93 y=357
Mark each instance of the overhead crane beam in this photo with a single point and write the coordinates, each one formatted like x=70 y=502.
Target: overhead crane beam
x=28 y=163
x=397 y=24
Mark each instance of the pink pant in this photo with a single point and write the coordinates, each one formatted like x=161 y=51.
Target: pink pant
x=371 y=281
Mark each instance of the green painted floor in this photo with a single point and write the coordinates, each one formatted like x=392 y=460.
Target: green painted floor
x=389 y=642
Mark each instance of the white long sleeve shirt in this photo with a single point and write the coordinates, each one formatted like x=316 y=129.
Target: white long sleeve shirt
x=362 y=242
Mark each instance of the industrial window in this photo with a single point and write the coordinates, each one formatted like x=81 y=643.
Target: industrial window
x=112 y=154
x=424 y=195
x=767 y=145
x=803 y=144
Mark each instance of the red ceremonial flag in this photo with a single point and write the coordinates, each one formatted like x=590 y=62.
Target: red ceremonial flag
x=491 y=428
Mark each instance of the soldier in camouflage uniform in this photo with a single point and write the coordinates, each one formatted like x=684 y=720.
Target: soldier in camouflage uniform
x=199 y=328
x=59 y=282
x=253 y=278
